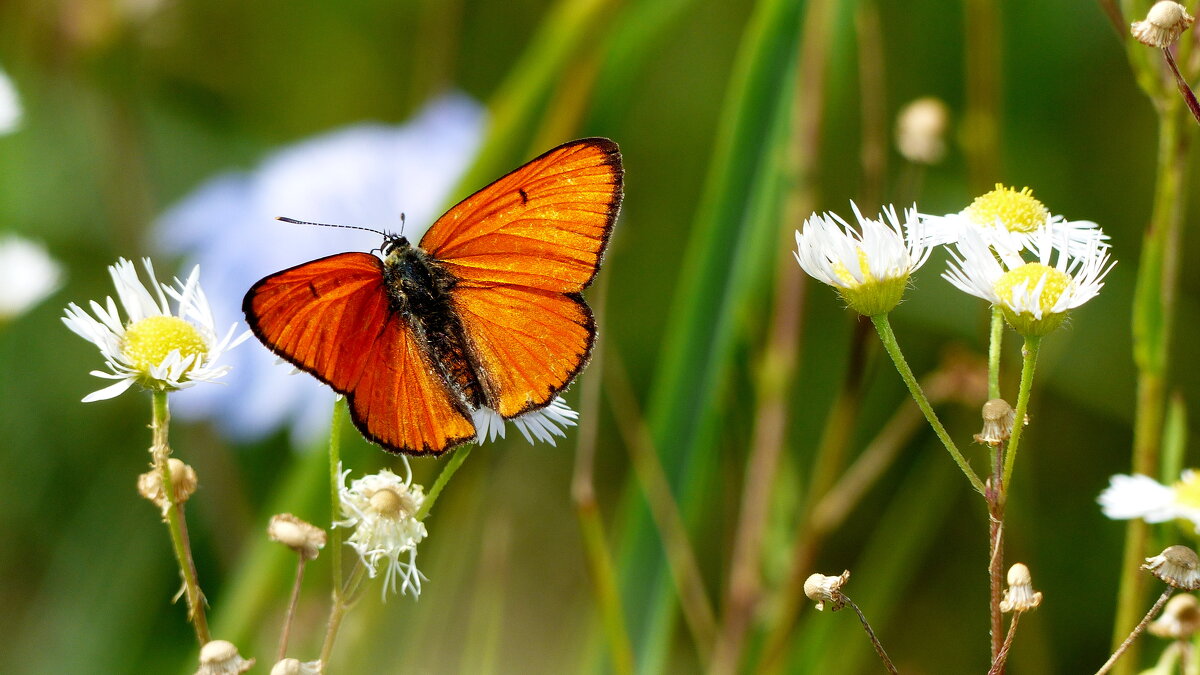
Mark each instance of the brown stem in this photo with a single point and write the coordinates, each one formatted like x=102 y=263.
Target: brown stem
x=887 y=663
x=998 y=664
x=996 y=553
x=1137 y=630
x=1184 y=90
x=291 y=611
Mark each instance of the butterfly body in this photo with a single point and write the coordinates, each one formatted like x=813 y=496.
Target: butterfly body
x=486 y=312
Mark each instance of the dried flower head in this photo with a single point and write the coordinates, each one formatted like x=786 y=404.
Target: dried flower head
x=822 y=589
x=921 y=130
x=1177 y=566
x=998 y=418
x=1164 y=23
x=156 y=348
x=302 y=537
x=296 y=667
x=220 y=657
x=382 y=510
x=1180 y=618
x=1020 y=596
x=870 y=266
x=183 y=477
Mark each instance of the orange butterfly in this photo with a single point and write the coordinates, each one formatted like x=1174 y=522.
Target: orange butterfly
x=485 y=312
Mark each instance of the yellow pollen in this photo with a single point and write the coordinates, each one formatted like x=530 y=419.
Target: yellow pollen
x=148 y=342
x=1015 y=211
x=864 y=267
x=1187 y=491
x=1031 y=274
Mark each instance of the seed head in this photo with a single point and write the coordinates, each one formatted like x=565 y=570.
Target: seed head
x=822 y=589
x=1178 y=566
x=1164 y=23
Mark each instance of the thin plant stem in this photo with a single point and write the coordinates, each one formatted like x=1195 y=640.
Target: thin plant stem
x=887 y=663
x=994 y=350
x=884 y=328
x=160 y=451
x=998 y=663
x=1137 y=630
x=591 y=525
x=340 y=406
x=456 y=460
x=996 y=502
x=291 y=611
x=1029 y=354
x=343 y=597
x=1184 y=90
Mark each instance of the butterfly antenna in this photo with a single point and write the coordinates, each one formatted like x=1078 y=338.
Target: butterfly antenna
x=401 y=224
x=348 y=227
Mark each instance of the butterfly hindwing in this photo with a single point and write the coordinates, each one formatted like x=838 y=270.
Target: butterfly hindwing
x=331 y=317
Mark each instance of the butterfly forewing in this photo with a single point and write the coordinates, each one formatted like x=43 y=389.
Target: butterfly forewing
x=331 y=317
x=543 y=226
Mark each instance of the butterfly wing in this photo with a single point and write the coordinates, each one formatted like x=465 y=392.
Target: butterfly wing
x=522 y=249
x=331 y=318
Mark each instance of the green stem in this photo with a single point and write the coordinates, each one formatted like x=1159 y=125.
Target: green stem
x=340 y=406
x=1029 y=355
x=161 y=451
x=343 y=596
x=884 y=328
x=456 y=459
x=997 y=340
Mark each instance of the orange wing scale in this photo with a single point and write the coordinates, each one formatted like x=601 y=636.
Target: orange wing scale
x=330 y=317
x=530 y=342
x=543 y=226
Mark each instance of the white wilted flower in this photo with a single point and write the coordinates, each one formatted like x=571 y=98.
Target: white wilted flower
x=221 y=657
x=1139 y=496
x=382 y=510
x=1034 y=296
x=365 y=174
x=1163 y=25
x=27 y=273
x=869 y=266
x=154 y=347
x=1014 y=220
x=1177 y=566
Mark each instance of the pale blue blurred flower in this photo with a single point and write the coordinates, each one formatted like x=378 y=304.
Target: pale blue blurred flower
x=366 y=175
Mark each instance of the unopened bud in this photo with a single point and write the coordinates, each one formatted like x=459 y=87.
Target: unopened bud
x=822 y=589
x=302 y=537
x=1020 y=596
x=220 y=657
x=183 y=477
x=921 y=130
x=998 y=418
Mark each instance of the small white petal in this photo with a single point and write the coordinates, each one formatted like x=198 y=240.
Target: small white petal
x=109 y=392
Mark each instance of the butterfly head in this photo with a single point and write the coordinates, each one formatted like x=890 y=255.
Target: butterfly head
x=395 y=246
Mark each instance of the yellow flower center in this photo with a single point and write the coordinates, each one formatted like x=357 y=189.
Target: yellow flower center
x=1187 y=491
x=148 y=342
x=1030 y=274
x=864 y=267
x=1016 y=211
x=391 y=504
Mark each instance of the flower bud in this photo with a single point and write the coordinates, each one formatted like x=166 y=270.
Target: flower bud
x=998 y=417
x=822 y=589
x=302 y=537
x=183 y=477
x=1164 y=23
x=1178 y=566
x=1020 y=596
x=921 y=130
x=220 y=657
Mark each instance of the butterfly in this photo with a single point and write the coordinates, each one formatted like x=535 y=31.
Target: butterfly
x=485 y=311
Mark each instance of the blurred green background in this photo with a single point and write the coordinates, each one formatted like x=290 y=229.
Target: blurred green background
x=129 y=105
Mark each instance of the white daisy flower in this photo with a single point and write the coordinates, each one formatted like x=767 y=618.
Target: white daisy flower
x=543 y=424
x=27 y=275
x=1034 y=296
x=870 y=266
x=1012 y=220
x=154 y=347
x=1138 y=496
x=364 y=174
x=382 y=510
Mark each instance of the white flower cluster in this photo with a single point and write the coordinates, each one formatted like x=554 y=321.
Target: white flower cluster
x=382 y=510
x=1006 y=248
